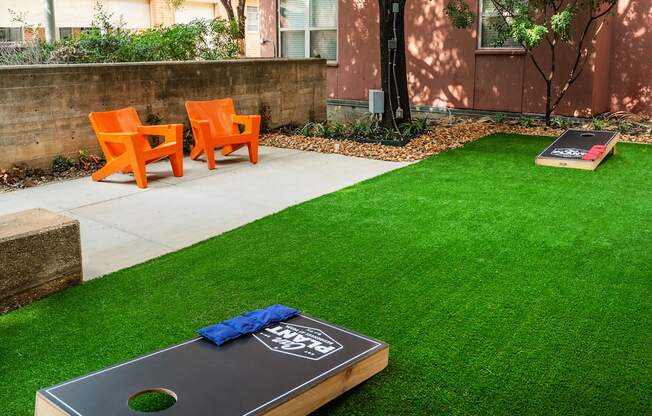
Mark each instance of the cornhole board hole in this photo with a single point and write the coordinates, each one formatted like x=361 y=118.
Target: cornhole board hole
x=289 y=368
x=579 y=149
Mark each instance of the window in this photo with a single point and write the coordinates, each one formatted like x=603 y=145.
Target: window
x=252 y=19
x=71 y=32
x=11 y=34
x=489 y=19
x=65 y=32
x=308 y=28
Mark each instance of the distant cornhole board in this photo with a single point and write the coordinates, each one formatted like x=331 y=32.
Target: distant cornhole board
x=289 y=368
x=579 y=149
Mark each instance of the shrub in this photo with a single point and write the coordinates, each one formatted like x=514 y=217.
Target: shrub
x=560 y=122
x=623 y=127
x=598 y=124
x=499 y=118
x=109 y=41
x=364 y=129
x=526 y=121
x=62 y=164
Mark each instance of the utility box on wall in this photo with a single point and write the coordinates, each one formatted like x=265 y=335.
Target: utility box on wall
x=376 y=101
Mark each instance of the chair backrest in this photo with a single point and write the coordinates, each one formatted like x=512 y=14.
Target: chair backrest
x=217 y=112
x=125 y=120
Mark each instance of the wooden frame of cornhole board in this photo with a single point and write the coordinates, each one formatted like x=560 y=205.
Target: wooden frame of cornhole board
x=289 y=368
x=573 y=144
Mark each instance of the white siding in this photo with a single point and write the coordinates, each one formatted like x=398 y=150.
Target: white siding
x=194 y=10
x=78 y=13
x=135 y=13
x=34 y=9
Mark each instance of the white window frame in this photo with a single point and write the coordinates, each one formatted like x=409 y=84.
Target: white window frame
x=308 y=29
x=480 y=18
x=257 y=20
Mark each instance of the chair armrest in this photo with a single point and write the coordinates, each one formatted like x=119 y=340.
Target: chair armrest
x=251 y=122
x=169 y=131
x=200 y=128
x=117 y=137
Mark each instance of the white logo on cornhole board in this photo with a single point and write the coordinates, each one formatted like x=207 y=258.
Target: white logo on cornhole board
x=300 y=341
x=568 y=152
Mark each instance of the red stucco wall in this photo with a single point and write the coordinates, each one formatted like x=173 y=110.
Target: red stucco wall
x=631 y=58
x=445 y=69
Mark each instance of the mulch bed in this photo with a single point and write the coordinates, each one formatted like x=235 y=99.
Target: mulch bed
x=440 y=138
x=24 y=177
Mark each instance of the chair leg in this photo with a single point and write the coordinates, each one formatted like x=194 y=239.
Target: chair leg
x=210 y=157
x=252 y=146
x=140 y=173
x=110 y=168
x=176 y=160
x=196 y=151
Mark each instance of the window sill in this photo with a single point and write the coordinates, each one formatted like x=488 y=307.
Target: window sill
x=333 y=64
x=500 y=51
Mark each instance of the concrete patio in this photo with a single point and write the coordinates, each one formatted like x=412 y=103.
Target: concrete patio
x=122 y=225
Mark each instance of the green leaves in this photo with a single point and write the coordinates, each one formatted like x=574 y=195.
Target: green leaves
x=459 y=14
x=561 y=22
x=109 y=41
x=528 y=33
x=364 y=129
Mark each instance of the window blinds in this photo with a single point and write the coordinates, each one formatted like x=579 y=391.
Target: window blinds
x=323 y=13
x=293 y=44
x=293 y=14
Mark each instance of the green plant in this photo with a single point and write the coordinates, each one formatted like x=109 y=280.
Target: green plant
x=560 y=122
x=414 y=127
x=623 y=127
x=598 y=124
x=335 y=131
x=366 y=128
x=61 y=164
x=526 y=121
x=109 y=41
x=499 y=118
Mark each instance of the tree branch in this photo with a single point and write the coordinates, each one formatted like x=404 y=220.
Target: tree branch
x=229 y=9
x=581 y=58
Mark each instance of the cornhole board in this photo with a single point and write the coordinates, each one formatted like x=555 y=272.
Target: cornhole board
x=569 y=149
x=289 y=368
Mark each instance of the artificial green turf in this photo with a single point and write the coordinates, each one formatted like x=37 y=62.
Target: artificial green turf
x=501 y=287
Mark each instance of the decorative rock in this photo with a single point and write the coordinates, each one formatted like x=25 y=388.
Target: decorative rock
x=40 y=253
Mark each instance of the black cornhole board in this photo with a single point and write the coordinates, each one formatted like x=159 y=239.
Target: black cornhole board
x=568 y=149
x=252 y=375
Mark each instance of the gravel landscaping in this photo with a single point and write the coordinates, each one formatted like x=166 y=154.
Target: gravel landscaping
x=449 y=133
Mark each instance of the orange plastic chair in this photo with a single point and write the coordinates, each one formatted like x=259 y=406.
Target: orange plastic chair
x=215 y=125
x=123 y=139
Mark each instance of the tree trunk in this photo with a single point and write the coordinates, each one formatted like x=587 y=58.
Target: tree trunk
x=242 y=47
x=548 y=101
x=240 y=18
x=392 y=64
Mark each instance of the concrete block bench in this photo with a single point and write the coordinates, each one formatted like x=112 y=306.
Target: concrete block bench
x=40 y=253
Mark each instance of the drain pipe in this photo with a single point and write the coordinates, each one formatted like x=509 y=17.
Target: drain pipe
x=50 y=29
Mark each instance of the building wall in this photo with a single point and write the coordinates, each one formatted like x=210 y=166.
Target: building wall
x=78 y=13
x=631 y=57
x=44 y=108
x=446 y=69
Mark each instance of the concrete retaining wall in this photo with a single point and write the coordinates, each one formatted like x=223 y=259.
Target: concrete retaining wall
x=44 y=109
